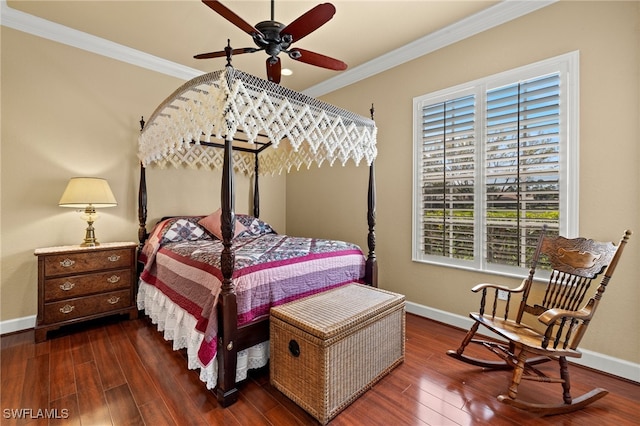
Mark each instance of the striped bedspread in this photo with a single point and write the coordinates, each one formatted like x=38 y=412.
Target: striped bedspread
x=270 y=269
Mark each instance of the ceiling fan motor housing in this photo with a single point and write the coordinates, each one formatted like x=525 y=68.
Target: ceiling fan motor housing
x=269 y=37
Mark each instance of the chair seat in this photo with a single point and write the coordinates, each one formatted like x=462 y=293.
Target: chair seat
x=520 y=334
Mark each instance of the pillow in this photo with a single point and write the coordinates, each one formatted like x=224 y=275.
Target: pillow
x=254 y=226
x=184 y=229
x=213 y=224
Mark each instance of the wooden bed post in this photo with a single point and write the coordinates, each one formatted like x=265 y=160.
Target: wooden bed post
x=142 y=202
x=227 y=351
x=371 y=267
x=256 y=188
x=226 y=391
x=142 y=208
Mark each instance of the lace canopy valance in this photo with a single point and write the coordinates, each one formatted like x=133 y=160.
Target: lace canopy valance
x=287 y=128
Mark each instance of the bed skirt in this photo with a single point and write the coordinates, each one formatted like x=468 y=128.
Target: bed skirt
x=179 y=327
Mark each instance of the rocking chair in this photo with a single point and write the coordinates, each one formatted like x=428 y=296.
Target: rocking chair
x=562 y=318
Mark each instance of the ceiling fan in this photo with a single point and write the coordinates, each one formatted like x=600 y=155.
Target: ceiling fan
x=274 y=37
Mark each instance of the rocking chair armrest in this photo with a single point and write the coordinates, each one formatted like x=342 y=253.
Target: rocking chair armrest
x=482 y=286
x=552 y=315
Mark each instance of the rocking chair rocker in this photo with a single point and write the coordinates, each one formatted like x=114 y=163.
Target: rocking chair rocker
x=562 y=318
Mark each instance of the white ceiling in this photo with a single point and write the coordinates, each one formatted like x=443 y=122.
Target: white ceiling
x=369 y=35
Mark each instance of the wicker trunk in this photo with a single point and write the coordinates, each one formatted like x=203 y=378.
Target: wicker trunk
x=329 y=348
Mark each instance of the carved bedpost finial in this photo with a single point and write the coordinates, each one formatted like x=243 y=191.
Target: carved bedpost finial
x=142 y=123
x=372 y=111
x=228 y=52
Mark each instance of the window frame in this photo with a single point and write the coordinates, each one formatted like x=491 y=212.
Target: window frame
x=567 y=65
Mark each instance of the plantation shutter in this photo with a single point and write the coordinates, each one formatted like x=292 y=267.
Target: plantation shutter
x=522 y=167
x=447 y=178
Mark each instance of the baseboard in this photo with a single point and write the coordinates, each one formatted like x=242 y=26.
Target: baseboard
x=18 y=324
x=597 y=361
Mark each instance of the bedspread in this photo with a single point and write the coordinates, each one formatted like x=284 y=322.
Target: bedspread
x=270 y=269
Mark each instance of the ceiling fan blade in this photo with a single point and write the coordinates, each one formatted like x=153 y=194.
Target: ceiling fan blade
x=317 y=59
x=230 y=16
x=274 y=69
x=224 y=53
x=310 y=21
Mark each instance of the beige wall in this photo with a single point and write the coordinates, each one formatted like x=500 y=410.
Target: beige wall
x=606 y=34
x=65 y=113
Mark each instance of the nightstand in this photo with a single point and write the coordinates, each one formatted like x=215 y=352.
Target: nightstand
x=77 y=284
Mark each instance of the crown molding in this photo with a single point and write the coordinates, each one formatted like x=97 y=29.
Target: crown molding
x=498 y=14
x=34 y=25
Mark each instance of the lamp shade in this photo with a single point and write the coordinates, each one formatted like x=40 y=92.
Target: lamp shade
x=84 y=191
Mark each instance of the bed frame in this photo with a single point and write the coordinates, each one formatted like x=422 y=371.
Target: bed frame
x=232 y=338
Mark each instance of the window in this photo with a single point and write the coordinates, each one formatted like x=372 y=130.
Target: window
x=494 y=161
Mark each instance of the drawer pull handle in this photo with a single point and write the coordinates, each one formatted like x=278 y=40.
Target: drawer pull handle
x=114 y=258
x=67 y=285
x=113 y=279
x=67 y=308
x=113 y=300
x=67 y=263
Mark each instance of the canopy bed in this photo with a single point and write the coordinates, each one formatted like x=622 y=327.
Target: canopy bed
x=266 y=129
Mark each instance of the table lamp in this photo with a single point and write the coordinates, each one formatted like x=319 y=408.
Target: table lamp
x=88 y=193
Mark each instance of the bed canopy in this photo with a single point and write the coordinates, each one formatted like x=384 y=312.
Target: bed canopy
x=257 y=115
x=262 y=128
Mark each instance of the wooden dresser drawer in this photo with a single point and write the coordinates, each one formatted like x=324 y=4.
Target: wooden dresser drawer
x=73 y=263
x=82 y=285
x=86 y=306
x=77 y=283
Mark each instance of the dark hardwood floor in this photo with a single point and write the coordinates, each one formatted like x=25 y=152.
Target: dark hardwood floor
x=124 y=373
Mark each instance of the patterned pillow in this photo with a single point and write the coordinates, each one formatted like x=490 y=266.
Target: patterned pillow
x=254 y=225
x=185 y=229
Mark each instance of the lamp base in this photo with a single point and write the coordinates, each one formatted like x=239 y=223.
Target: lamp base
x=90 y=236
